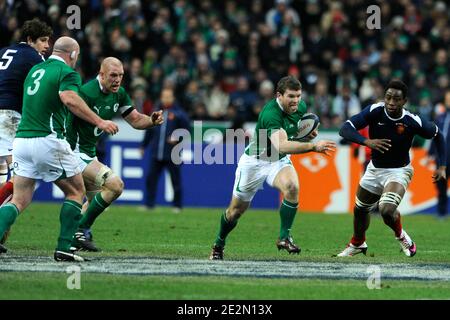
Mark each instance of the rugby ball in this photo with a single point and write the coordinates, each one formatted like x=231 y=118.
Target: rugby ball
x=307 y=124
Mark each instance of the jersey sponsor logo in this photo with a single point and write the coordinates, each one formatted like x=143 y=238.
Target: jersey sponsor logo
x=97 y=109
x=116 y=107
x=381 y=123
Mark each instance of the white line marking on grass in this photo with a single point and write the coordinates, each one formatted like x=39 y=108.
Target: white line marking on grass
x=234 y=268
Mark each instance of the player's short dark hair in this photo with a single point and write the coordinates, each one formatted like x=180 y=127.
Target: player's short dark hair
x=399 y=85
x=35 y=29
x=290 y=83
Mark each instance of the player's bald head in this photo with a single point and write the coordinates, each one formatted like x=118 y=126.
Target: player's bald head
x=66 y=44
x=109 y=62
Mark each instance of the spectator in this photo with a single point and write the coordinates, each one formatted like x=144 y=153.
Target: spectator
x=207 y=41
x=161 y=145
x=345 y=105
x=275 y=16
x=243 y=99
x=443 y=122
x=217 y=102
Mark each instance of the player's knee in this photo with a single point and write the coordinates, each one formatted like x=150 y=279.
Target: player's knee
x=114 y=185
x=290 y=191
x=235 y=212
x=387 y=210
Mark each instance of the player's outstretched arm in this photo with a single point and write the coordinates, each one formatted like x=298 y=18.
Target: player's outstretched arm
x=280 y=141
x=141 y=121
x=349 y=132
x=79 y=108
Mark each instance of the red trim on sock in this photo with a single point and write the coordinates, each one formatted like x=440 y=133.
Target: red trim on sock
x=6 y=191
x=398 y=227
x=357 y=241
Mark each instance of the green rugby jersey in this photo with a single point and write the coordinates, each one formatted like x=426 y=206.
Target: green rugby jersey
x=272 y=118
x=82 y=135
x=43 y=111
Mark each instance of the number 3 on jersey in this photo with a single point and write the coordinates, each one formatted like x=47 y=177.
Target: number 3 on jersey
x=38 y=74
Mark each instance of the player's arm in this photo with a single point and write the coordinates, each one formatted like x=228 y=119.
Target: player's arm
x=79 y=108
x=141 y=121
x=280 y=141
x=429 y=130
x=440 y=172
x=349 y=131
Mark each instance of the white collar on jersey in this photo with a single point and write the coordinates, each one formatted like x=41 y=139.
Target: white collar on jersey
x=403 y=114
x=99 y=84
x=279 y=105
x=57 y=58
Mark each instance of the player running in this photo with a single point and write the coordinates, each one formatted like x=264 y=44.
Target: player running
x=107 y=98
x=267 y=159
x=40 y=150
x=391 y=132
x=15 y=62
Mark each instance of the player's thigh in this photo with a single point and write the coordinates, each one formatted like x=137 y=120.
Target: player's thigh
x=365 y=197
x=392 y=196
x=23 y=192
x=72 y=187
x=286 y=180
x=9 y=121
x=249 y=178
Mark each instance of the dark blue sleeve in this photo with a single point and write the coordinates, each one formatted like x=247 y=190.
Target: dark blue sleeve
x=440 y=148
x=349 y=130
x=427 y=130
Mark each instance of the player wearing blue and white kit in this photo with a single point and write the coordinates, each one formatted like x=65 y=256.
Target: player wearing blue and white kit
x=15 y=63
x=391 y=132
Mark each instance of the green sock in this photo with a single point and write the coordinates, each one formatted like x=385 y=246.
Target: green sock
x=69 y=218
x=8 y=214
x=97 y=206
x=287 y=215
x=225 y=229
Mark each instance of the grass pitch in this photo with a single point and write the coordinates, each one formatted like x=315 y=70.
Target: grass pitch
x=124 y=231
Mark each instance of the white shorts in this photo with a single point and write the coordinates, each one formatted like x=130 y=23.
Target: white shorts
x=251 y=174
x=9 y=121
x=83 y=160
x=46 y=158
x=375 y=179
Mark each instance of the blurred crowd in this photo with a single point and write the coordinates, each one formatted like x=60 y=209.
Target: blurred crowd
x=224 y=58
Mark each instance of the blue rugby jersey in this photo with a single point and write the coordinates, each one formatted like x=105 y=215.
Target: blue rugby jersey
x=400 y=131
x=15 y=63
